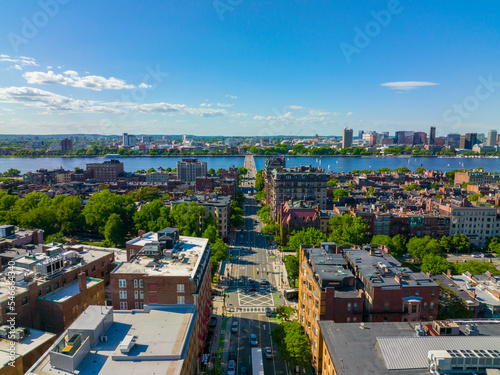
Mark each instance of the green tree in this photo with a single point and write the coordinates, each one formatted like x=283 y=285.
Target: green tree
x=435 y=264
x=398 y=245
x=294 y=346
x=259 y=181
x=332 y=182
x=284 y=312
x=101 y=205
x=338 y=193
x=347 y=229
x=186 y=217
x=492 y=243
x=12 y=172
x=211 y=233
x=460 y=243
x=292 y=266
x=114 y=230
x=420 y=170
x=309 y=236
x=451 y=306
x=219 y=253
x=418 y=248
x=152 y=216
x=402 y=170
x=446 y=243
x=273 y=229
x=384 y=170
x=381 y=239
x=474 y=267
x=474 y=197
x=211 y=171
x=145 y=193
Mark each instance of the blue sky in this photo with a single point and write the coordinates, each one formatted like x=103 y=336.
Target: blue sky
x=242 y=67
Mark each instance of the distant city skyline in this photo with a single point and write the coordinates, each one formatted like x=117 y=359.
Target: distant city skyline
x=249 y=69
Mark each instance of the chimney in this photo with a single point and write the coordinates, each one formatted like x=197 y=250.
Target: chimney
x=448 y=272
x=72 y=242
x=472 y=294
x=82 y=281
x=141 y=233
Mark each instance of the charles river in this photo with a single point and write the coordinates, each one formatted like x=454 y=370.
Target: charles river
x=329 y=163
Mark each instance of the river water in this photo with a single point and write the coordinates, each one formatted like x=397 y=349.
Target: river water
x=330 y=163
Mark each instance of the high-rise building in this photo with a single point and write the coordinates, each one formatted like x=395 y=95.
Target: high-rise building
x=420 y=138
x=347 y=138
x=360 y=134
x=492 y=138
x=432 y=136
x=129 y=140
x=189 y=169
x=405 y=138
x=66 y=145
x=468 y=140
x=105 y=172
x=453 y=140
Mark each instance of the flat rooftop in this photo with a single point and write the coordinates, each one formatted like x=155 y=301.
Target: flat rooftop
x=35 y=339
x=392 y=348
x=162 y=338
x=449 y=283
x=184 y=262
x=69 y=291
x=482 y=295
x=380 y=270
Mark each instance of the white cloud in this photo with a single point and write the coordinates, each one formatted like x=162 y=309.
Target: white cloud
x=145 y=86
x=72 y=78
x=18 y=67
x=295 y=107
x=224 y=105
x=206 y=105
x=231 y=96
x=407 y=85
x=21 y=60
x=348 y=113
x=33 y=97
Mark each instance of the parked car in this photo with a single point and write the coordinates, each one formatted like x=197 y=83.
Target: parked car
x=253 y=339
x=231 y=368
x=212 y=322
x=269 y=352
x=263 y=281
x=269 y=312
x=232 y=353
x=243 y=371
x=234 y=327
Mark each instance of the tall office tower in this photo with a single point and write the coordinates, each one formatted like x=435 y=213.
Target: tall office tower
x=492 y=138
x=129 y=140
x=419 y=138
x=432 y=136
x=468 y=140
x=360 y=134
x=453 y=140
x=347 y=138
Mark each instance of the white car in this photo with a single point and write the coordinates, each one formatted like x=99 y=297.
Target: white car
x=269 y=352
x=231 y=368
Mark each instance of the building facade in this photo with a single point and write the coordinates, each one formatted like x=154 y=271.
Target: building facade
x=106 y=172
x=189 y=169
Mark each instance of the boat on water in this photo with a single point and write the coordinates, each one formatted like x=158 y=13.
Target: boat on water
x=112 y=156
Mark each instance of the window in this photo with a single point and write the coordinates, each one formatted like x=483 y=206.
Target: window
x=24 y=301
x=136 y=295
x=180 y=300
x=123 y=306
x=354 y=319
x=122 y=283
x=349 y=307
x=102 y=264
x=180 y=288
x=123 y=294
x=56 y=285
x=348 y=319
x=47 y=289
x=93 y=268
x=433 y=292
x=417 y=293
x=425 y=306
x=432 y=306
x=141 y=284
x=141 y=294
x=386 y=306
x=355 y=307
x=137 y=305
x=413 y=309
x=142 y=305
x=135 y=283
x=75 y=276
x=315 y=331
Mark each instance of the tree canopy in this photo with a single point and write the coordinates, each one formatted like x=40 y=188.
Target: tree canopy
x=309 y=236
x=348 y=229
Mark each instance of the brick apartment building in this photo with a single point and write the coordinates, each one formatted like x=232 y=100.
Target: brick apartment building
x=106 y=172
x=189 y=169
x=66 y=145
x=54 y=287
x=359 y=284
x=477 y=177
x=165 y=268
x=301 y=183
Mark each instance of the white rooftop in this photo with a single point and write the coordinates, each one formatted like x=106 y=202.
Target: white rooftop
x=482 y=295
x=184 y=263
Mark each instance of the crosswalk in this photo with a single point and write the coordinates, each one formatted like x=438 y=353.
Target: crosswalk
x=247 y=309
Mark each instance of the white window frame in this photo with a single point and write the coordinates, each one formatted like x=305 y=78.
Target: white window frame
x=181 y=300
x=123 y=294
x=122 y=283
x=136 y=294
x=141 y=294
x=180 y=288
x=135 y=283
x=123 y=306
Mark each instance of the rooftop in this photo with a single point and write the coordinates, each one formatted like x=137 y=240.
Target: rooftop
x=393 y=348
x=383 y=270
x=186 y=257
x=482 y=294
x=30 y=343
x=63 y=294
x=162 y=336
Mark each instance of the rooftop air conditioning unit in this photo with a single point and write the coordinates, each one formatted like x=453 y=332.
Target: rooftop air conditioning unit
x=103 y=338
